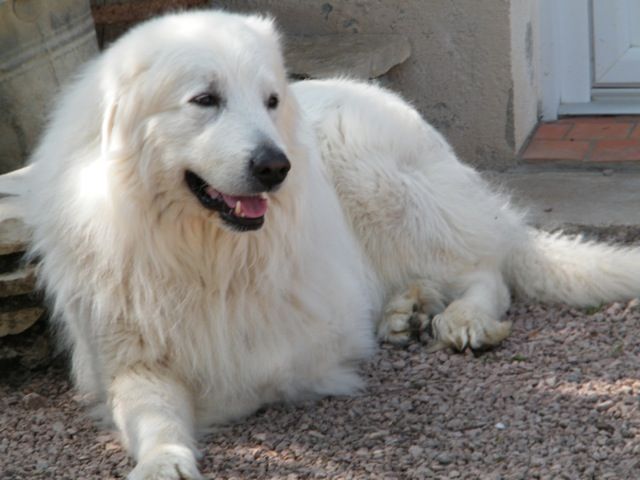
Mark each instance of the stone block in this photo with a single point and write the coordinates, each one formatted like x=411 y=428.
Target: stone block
x=17 y=321
x=360 y=55
x=14 y=236
x=17 y=283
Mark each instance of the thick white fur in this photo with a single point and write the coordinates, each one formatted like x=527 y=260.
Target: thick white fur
x=175 y=320
x=433 y=229
x=178 y=322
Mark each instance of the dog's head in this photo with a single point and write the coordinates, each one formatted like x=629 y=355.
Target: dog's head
x=198 y=108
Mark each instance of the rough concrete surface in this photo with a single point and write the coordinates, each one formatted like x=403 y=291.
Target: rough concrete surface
x=559 y=198
x=559 y=399
x=459 y=74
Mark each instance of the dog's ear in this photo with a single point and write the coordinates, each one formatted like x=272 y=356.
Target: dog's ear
x=115 y=78
x=108 y=119
x=120 y=70
x=264 y=25
x=266 y=29
x=119 y=110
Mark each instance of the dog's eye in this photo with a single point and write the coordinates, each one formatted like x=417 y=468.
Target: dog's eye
x=273 y=101
x=206 y=100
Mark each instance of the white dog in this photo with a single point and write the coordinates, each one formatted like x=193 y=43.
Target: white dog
x=213 y=239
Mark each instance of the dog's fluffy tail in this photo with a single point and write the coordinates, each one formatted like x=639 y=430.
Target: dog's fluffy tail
x=559 y=268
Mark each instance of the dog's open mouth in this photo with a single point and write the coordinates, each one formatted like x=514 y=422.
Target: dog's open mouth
x=241 y=212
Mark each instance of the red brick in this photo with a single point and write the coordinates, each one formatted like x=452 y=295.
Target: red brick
x=635 y=134
x=616 y=151
x=552 y=131
x=586 y=120
x=627 y=118
x=541 y=150
x=596 y=131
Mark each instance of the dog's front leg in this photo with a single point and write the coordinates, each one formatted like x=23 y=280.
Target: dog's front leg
x=473 y=319
x=154 y=413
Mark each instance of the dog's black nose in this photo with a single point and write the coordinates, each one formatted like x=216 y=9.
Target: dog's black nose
x=269 y=165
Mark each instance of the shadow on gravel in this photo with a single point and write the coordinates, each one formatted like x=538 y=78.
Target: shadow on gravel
x=559 y=399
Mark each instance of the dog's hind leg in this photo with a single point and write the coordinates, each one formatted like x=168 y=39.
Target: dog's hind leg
x=473 y=320
x=409 y=312
x=155 y=416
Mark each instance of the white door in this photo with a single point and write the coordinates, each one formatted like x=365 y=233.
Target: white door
x=616 y=43
x=591 y=57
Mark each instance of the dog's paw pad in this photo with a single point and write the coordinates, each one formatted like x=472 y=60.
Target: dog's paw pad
x=459 y=328
x=400 y=328
x=167 y=463
x=396 y=328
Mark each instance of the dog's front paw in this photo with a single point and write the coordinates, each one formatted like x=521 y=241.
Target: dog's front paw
x=399 y=327
x=408 y=315
x=401 y=320
x=167 y=462
x=459 y=327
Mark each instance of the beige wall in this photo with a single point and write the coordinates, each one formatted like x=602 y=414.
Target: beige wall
x=474 y=70
x=525 y=67
x=459 y=74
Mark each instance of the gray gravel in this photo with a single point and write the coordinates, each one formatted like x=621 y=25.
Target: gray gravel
x=559 y=399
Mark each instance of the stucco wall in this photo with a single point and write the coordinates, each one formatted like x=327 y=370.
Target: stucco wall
x=459 y=74
x=525 y=67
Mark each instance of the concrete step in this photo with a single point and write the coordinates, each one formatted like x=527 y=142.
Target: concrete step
x=356 y=55
x=560 y=199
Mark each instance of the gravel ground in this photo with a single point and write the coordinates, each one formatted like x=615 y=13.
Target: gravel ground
x=559 y=399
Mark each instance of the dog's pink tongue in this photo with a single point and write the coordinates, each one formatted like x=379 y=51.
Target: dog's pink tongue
x=250 y=207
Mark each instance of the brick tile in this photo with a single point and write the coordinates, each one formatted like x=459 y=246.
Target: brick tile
x=549 y=150
x=586 y=120
x=635 y=134
x=627 y=118
x=552 y=131
x=616 y=151
x=595 y=131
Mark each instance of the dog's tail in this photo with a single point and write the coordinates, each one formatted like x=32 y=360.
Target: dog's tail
x=559 y=268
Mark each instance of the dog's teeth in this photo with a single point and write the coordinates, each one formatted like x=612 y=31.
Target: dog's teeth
x=238 y=209
x=263 y=196
x=211 y=192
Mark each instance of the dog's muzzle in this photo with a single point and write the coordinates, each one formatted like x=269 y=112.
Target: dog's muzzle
x=240 y=212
